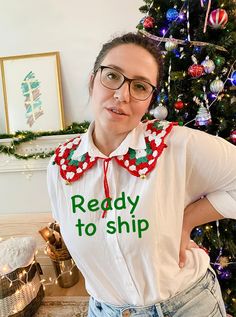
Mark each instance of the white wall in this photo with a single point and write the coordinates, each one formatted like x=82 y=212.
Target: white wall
x=75 y=28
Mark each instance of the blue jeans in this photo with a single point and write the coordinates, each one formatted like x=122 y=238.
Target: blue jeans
x=203 y=299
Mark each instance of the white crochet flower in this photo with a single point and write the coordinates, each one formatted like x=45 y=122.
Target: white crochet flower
x=140 y=153
x=70 y=175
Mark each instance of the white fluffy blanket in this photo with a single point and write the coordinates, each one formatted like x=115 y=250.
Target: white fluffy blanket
x=16 y=252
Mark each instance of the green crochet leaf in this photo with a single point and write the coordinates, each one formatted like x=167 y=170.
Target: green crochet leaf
x=148 y=148
x=132 y=153
x=158 y=125
x=141 y=160
x=73 y=163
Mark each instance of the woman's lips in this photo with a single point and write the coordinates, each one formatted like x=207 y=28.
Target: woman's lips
x=116 y=111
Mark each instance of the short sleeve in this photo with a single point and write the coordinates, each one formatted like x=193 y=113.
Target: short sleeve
x=52 y=184
x=211 y=171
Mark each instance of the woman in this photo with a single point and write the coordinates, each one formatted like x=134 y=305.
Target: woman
x=127 y=195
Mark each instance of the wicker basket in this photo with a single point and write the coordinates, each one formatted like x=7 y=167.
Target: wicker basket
x=66 y=271
x=21 y=299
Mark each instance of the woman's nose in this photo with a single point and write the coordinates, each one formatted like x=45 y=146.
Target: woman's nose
x=123 y=94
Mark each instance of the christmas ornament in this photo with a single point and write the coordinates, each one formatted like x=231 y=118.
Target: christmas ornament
x=224 y=261
x=170 y=45
x=208 y=65
x=195 y=70
x=216 y=86
x=203 y=117
x=219 y=60
x=233 y=78
x=160 y=112
x=151 y=112
x=218 y=19
x=149 y=22
x=179 y=104
x=233 y=136
x=172 y=14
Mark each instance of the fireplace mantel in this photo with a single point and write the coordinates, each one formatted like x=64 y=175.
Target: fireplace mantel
x=8 y=163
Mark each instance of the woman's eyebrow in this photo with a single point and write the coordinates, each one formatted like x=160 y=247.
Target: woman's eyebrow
x=122 y=70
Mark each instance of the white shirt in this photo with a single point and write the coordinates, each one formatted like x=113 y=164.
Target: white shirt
x=124 y=265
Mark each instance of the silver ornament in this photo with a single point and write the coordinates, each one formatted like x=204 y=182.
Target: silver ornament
x=216 y=86
x=151 y=112
x=170 y=45
x=160 y=112
x=208 y=65
x=203 y=117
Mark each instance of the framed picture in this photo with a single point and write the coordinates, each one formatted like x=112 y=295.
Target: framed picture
x=32 y=92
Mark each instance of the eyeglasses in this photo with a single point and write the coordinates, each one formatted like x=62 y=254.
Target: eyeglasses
x=113 y=79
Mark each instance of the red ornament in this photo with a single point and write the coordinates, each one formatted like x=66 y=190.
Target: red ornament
x=218 y=19
x=179 y=104
x=196 y=70
x=233 y=136
x=149 y=22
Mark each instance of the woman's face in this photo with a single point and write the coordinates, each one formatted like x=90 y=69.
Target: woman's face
x=116 y=111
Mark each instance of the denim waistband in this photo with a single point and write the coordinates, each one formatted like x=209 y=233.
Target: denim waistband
x=166 y=307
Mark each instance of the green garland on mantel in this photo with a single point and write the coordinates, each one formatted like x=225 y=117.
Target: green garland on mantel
x=26 y=136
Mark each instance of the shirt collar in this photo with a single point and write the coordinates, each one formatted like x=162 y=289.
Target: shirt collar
x=134 y=140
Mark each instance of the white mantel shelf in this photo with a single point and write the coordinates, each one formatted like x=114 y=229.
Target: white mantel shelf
x=8 y=163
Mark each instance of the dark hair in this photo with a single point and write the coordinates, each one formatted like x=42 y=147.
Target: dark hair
x=139 y=40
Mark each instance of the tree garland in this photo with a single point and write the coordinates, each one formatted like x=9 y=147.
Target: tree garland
x=26 y=136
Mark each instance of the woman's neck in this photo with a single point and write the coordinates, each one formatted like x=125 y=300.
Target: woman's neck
x=107 y=142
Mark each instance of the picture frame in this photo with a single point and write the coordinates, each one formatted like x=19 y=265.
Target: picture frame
x=32 y=92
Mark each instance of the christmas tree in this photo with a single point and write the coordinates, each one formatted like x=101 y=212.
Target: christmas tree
x=198 y=43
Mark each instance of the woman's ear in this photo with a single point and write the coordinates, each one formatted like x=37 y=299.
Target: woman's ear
x=91 y=82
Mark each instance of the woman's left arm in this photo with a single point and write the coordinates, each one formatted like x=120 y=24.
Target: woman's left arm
x=211 y=163
x=195 y=214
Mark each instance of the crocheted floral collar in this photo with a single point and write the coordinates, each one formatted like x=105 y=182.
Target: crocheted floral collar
x=137 y=162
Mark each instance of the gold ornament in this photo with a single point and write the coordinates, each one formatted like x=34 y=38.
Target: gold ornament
x=224 y=261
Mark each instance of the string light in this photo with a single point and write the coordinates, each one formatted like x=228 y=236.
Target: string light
x=44 y=282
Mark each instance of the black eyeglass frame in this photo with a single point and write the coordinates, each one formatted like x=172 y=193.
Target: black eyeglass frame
x=129 y=80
